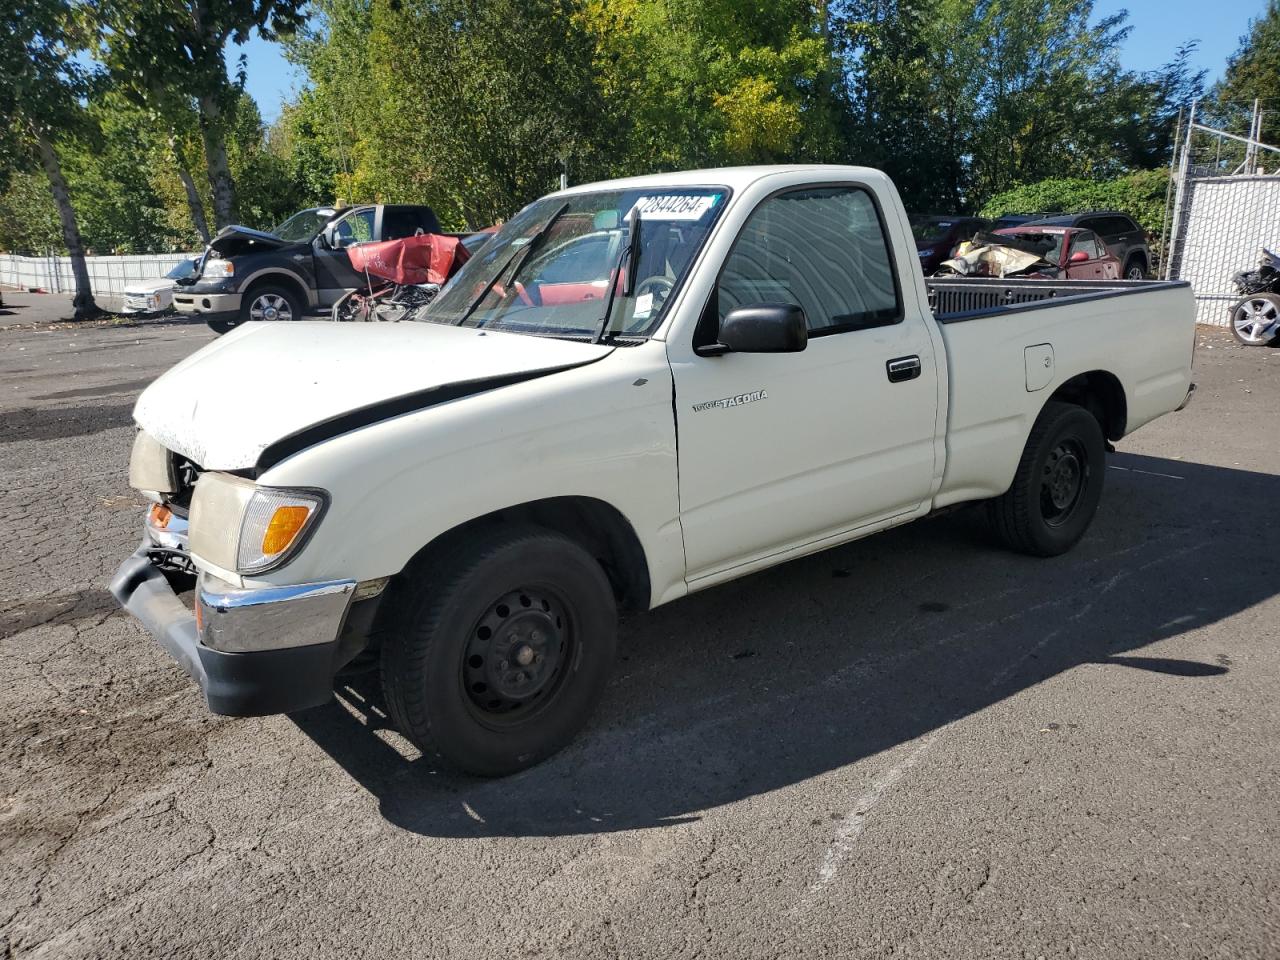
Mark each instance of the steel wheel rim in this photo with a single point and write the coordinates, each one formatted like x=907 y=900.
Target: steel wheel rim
x=517 y=656
x=1253 y=317
x=270 y=306
x=1062 y=482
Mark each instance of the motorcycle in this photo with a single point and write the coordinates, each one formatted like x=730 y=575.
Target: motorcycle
x=1255 y=319
x=400 y=276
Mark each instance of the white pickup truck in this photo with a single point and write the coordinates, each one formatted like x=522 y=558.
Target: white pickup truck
x=635 y=390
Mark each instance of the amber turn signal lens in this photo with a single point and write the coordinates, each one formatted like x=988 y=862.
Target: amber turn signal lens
x=283 y=527
x=160 y=515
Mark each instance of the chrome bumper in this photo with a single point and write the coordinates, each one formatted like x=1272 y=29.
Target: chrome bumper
x=206 y=303
x=235 y=620
x=253 y=651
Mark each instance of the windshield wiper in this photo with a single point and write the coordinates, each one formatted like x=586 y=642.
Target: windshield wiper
x=630 y=258
x=521 y=254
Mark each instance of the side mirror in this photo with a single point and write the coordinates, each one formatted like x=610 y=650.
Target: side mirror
x=761 y=328
x=1080 y=256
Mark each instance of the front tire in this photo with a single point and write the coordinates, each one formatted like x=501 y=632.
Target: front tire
x=1057 y=486
x=499 y=648
x=270 y=302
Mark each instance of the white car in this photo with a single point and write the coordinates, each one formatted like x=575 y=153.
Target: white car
x=731 y=368
x=153 y=296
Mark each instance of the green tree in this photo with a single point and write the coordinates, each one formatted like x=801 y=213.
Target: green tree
x=42 y=90
x=705 y=82
x=28 y=216
x=1253 y=72
x=169 y=48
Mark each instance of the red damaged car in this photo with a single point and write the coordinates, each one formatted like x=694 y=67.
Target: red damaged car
x=1076 y=254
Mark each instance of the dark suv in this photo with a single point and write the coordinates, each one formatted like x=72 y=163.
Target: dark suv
x=296 y=269
x=1124 y=238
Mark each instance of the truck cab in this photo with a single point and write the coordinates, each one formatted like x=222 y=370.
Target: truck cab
x=295 y=269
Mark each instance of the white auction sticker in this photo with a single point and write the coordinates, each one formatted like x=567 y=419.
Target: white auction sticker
x=644 y=305
x=675 y=206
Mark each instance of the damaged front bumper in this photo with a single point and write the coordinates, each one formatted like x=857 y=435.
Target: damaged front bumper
x=253 y=651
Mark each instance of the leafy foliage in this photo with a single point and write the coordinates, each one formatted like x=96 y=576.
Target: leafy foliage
x=1253 y=71
x=1140 y=194
x=478 y=106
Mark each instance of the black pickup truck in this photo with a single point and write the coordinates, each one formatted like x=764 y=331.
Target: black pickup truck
x=299 y=267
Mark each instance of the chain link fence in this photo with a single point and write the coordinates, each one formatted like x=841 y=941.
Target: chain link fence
x=108 y=276
x=1224 y=207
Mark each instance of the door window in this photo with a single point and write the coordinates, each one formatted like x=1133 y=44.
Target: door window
x=399 y=222
x=1089 y=243
x=822 y=249
x=355 y=227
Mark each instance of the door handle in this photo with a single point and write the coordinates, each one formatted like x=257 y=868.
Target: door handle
x=902 y=368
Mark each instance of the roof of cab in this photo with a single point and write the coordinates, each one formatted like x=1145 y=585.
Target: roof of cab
x=735 y=178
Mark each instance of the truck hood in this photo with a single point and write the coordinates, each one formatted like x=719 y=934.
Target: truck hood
x=238 y=239
x=267 y=390
x=149 y=286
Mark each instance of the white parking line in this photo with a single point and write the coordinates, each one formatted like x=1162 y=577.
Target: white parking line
x=1149 y=473
x=855 y=820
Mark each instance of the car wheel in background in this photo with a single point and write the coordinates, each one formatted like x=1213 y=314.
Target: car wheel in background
x=270 y=303
x=1135 y=270
x=1254 y=319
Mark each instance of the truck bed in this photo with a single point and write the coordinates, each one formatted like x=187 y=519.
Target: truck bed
x=1037 y=334
x=953 y=300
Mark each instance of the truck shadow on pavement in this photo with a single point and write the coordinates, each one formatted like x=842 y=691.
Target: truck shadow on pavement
x=804 y=669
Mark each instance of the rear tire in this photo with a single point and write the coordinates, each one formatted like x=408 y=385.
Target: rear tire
x=499 y=648
x=1057 y=486
x=1135 y=269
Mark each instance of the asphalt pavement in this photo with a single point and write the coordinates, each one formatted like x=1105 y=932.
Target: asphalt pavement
x=917 y=745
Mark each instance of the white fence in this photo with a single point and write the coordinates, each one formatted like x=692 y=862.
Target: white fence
x=1221 y=225
x=107 y=275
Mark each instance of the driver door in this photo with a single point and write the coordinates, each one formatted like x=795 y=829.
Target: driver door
x=782 y=450
x=334 y=273
x=1094 y=267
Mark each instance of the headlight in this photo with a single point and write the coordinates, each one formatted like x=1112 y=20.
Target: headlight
x=238 y=525
x=151 y=469
x=217 y=269
x=154 y=301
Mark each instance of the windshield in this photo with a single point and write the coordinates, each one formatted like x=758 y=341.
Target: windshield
x=1049 y=245
x=185 y=269
x=304 y=225
x=559 y=286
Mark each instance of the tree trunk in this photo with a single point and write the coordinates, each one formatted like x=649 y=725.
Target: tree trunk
x=84 y=304
x=215 y=152
x=194 y=203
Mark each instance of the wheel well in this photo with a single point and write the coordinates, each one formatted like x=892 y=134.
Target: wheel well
x=280 y=280
x=1101 y=394
x=593 y=524
x=1139 y=256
